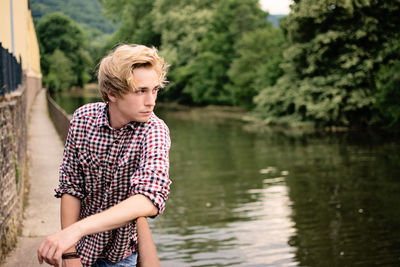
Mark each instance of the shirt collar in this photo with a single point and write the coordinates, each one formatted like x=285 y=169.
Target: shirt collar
x=102 y=117
x=102 y=120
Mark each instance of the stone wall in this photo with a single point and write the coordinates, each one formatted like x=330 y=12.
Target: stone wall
x=14 y=110
x=13 y=139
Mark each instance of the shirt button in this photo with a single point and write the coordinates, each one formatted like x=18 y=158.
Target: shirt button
x=116 y=142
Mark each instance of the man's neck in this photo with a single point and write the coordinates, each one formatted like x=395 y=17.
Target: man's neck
x=116 y=121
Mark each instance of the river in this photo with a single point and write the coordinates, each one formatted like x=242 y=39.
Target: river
x=243 y=196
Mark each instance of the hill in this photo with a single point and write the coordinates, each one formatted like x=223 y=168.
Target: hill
x=275 y=19
x=87 y=13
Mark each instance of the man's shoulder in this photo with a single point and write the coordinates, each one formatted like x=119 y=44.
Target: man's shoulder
x=90 y=110
x=156 y=122
x=156 y=131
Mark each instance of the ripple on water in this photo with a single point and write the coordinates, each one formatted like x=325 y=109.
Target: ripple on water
x=261 y=239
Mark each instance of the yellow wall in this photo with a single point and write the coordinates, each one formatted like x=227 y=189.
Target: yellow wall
x=5 y=28
x=25 y=41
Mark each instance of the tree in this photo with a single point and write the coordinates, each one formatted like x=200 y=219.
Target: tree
x=135 y=20
x=182 y=25
x=388 y=94
x=57 y=31
x=257 y=65
x=388 y=83
x=332 y=61
x=61 y=76
x=196 y=37
x=207 y=77
x=86 y=13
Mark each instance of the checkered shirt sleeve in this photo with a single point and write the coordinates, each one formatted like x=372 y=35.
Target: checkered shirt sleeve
x=71 y=177
x=151 y=178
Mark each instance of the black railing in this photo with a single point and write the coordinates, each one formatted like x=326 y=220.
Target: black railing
x=10 y=72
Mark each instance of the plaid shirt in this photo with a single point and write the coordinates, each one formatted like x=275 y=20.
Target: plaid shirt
x=103 y=166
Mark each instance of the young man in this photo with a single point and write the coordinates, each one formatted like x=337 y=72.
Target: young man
x=115 y=165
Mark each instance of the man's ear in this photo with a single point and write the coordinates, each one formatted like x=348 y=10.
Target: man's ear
x=111 y=96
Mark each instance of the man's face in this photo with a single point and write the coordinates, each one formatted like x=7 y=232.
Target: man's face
x=137 y=105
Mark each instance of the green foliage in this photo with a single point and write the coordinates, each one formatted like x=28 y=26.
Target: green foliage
x=208 y=71
x=135 y=19
x=388 y=95
x=86 y=13
x=207 y=75
x=17 y=171
x=257 y=64
x=329 y=62
x=320 y=67
x=198 y=38
x=58 y=32
x=330 y=65
x=182 y=25
x=61 y=75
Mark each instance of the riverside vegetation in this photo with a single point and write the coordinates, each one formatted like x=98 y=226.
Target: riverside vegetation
x=329 y=63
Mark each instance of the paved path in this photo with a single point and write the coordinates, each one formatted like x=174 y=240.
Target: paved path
x=41 y=217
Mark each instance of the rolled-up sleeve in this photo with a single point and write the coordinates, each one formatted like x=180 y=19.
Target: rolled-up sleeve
x=151 y=179
x=71 y=178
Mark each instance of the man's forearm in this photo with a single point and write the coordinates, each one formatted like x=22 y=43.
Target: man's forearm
x=70 y=210
x=147 y=250
x=116 y=216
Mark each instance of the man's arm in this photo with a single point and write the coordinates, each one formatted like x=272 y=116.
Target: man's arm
x=147 y=250
x=70 y=210
x=124 y=212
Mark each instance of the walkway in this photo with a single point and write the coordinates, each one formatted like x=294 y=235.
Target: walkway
x=42 y=213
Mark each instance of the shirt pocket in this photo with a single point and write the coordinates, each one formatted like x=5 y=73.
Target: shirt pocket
x=127 y=167
x=92 y=173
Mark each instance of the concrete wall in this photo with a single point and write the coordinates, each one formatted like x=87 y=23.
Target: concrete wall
x=13 y=140
x=59 y=117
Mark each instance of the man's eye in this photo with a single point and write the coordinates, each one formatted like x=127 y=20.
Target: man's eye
x=140 y=91
x=155 y=90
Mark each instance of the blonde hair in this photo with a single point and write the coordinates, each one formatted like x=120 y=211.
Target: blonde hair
x=115 y=73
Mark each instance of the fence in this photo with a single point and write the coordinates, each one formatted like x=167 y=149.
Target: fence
x=10 y=72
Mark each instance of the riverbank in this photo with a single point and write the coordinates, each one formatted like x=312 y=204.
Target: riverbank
x=76 y=97
x=214 y=113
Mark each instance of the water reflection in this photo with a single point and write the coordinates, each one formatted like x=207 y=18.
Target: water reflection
x=281 y=199
x=345 y=193
x=70 y=101
x=244 y=197
x=228 y=213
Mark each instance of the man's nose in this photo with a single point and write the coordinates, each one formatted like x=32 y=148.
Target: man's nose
x=151 y=99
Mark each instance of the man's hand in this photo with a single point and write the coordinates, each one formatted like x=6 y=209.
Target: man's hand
x=124 y=212
x=72 y=263
x=54 y=245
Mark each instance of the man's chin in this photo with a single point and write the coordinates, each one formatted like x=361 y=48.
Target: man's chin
x=143 y=119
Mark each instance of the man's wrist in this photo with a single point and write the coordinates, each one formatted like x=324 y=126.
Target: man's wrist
x=70 y=250
x=70 y=255
x=77 y=230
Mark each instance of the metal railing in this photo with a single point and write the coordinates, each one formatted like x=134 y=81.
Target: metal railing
x=10 y=72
